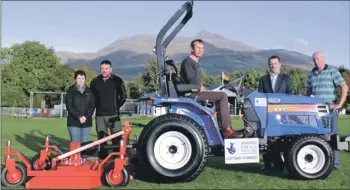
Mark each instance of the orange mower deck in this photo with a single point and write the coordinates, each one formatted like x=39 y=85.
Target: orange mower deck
x=68 y=171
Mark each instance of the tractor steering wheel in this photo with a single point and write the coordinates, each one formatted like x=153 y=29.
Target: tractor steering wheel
x=236 y=89
x=231 y=87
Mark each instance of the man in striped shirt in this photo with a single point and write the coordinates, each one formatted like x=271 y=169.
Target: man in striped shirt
x=323 y=82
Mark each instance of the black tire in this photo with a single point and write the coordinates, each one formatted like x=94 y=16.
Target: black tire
x=106 y=178
x=48 y=162
x=187 y=129
x=318 y=143
x=16 y=183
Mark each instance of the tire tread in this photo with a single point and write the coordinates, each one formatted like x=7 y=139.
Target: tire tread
x=289 y=156
x=154 y=123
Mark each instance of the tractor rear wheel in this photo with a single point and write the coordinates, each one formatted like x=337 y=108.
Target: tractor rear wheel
x=174 y=147
x=310 y=158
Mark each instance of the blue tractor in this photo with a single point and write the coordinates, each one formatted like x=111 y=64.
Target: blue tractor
x=298 y=130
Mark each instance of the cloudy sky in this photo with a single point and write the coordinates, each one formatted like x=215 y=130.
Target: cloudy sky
x=86 y=26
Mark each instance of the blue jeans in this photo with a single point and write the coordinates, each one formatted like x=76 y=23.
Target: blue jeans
x=79 y=134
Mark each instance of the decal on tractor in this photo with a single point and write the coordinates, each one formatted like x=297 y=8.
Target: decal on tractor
x=260 y=102
x=274 y=100
x=239 y=151
x=292 y=108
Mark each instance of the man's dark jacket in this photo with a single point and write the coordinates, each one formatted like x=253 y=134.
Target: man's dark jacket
x=110 y=95
x=284 y=84
x=78 y=105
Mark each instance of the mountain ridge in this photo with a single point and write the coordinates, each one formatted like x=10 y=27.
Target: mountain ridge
x=129 y=54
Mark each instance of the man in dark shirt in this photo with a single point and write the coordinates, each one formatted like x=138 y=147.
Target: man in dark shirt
x=190 y=73
x=110 y=95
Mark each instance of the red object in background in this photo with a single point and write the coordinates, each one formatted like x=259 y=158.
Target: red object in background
x=149 y=102
x=45 y=112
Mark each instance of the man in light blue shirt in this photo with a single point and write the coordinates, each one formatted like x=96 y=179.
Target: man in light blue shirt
x=323 y=82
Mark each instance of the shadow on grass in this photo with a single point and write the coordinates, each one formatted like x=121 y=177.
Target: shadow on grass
x=35 y=140
x=143 y=174
x=254 y=168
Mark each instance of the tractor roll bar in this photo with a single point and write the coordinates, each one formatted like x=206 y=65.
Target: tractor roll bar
x=188 y=6
x=161 y=47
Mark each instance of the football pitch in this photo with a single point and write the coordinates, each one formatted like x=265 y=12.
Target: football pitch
x=28 y=135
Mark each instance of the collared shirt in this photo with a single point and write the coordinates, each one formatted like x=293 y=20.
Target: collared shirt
x=324 y=84
x=273 y=78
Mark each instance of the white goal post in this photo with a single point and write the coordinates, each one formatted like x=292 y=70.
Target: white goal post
x=31 y=100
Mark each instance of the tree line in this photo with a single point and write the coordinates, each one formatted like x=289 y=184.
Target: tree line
x=31 y=66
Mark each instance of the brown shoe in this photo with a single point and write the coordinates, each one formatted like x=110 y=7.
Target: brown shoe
x=229 y=133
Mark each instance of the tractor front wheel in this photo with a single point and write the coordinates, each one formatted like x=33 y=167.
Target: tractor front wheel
x=175 y=147
x=15 y=178
x=310 y=158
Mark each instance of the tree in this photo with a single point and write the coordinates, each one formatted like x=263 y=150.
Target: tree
x=150 y=79
x=346 y=75
x=13 y=96
x=299 y=78
x=251 y=79
x=5 y=56
x=134 y=88
x=35 y=67
x=90 y=74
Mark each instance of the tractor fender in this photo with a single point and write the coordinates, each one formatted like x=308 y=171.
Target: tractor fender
x=192 y=109
x=210 y=135
x=185 y=112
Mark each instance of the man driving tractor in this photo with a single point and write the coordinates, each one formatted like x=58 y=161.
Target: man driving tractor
x=190 y=73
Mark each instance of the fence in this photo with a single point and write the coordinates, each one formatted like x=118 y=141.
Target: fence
x=130 y=108
x=31 y=112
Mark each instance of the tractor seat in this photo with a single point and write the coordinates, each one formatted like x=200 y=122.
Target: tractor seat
x=181 y=88
x=185 y=90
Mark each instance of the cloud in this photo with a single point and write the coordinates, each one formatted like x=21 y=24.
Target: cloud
x=301 y=41
x=300 y=45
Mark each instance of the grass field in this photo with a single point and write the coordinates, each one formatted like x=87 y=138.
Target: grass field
x=27 y=136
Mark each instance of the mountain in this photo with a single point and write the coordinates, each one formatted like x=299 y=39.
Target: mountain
x=129 y=55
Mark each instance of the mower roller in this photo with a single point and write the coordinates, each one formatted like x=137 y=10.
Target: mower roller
x=67 y=170
x=298 y=132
